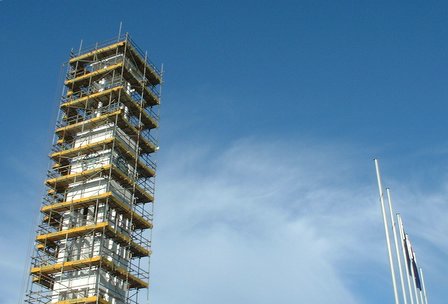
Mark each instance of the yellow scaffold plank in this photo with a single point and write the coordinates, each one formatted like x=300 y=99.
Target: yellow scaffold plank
x=91 y=54
x=121 y=272
x=124 y=124
x=63 y=156
x=134 y=282
x=44 y=280
x=66 y=266
x=140 y=193
x=93 y=147
x=137 y=249
x=46 y=248
x=87 y=123
x=70 y=233
x=77 y=203
x=143 y=169
x=83 y=100
x=146 y=145
x=147 y=120
x=149 y=98
x=64 y=180
x=89 y=300
x=94 y=73
x=151 y=74
x=116 y=203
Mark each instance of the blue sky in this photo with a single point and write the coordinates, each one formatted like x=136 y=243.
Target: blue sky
x=272 y=113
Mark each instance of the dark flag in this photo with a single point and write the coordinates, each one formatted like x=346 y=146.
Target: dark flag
x=411 y=261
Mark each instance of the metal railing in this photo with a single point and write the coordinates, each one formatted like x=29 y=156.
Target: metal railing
x=111 y=83
x=124 y=37
x=112 y=107
x=63 y=293
x=142 y=55
x=67 y=253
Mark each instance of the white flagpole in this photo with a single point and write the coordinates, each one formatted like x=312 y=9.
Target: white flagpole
x=401 y=230
x=394 y=231
x=411 y=258
x=386 y=230
x=423 y=285
x=421 y=288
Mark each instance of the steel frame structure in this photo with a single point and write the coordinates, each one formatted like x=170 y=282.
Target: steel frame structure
x=93 y=242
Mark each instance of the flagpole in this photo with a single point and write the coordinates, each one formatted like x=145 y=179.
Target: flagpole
x=386 y=230
x=394 y=231
x=423 y=285
x=401 y=230
x=422 y=297
x=421 y=291
x=411 y=252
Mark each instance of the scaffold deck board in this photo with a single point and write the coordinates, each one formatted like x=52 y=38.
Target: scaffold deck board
x=144 y=170
x=86 y=100
x=153 y=77
x=86 y=124
x=70 y=130
x=104 y=50
x=89 y=300
x=138 y=250
x=121 y=272
x=92 y=147
x=62 y=182
x=90 y=76
x=118 y=93
x=113 y=201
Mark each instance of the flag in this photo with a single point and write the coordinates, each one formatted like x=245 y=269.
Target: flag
x=411 y=261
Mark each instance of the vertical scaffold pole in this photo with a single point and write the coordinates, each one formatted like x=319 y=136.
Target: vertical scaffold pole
x=386 y=230
x=119 y=30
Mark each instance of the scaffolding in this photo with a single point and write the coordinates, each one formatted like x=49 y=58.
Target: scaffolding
x=93 y=242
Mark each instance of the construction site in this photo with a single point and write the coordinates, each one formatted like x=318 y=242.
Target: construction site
x=93 y=241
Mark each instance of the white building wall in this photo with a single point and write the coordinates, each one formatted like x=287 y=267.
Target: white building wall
x=89 y=246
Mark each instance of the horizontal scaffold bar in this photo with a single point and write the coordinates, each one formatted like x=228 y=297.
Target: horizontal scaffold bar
x=103 y=262
x=62 y=182
x=149 y=98
x=86 y=77
x=138 y=250
x=89 y=300
x=118 y=94
x=153 y=76
x=116 y=116
x=104 y=50
x=108 y=197
x=61 y=157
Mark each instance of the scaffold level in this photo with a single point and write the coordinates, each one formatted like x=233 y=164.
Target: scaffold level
x=94 y=236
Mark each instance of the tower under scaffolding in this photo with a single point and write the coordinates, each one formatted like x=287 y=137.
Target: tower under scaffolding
x=94 y=238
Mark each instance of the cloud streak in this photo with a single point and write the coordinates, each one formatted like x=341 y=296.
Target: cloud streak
x=264 y=224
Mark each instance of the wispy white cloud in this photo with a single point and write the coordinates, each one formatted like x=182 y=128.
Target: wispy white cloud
x=263 y=223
